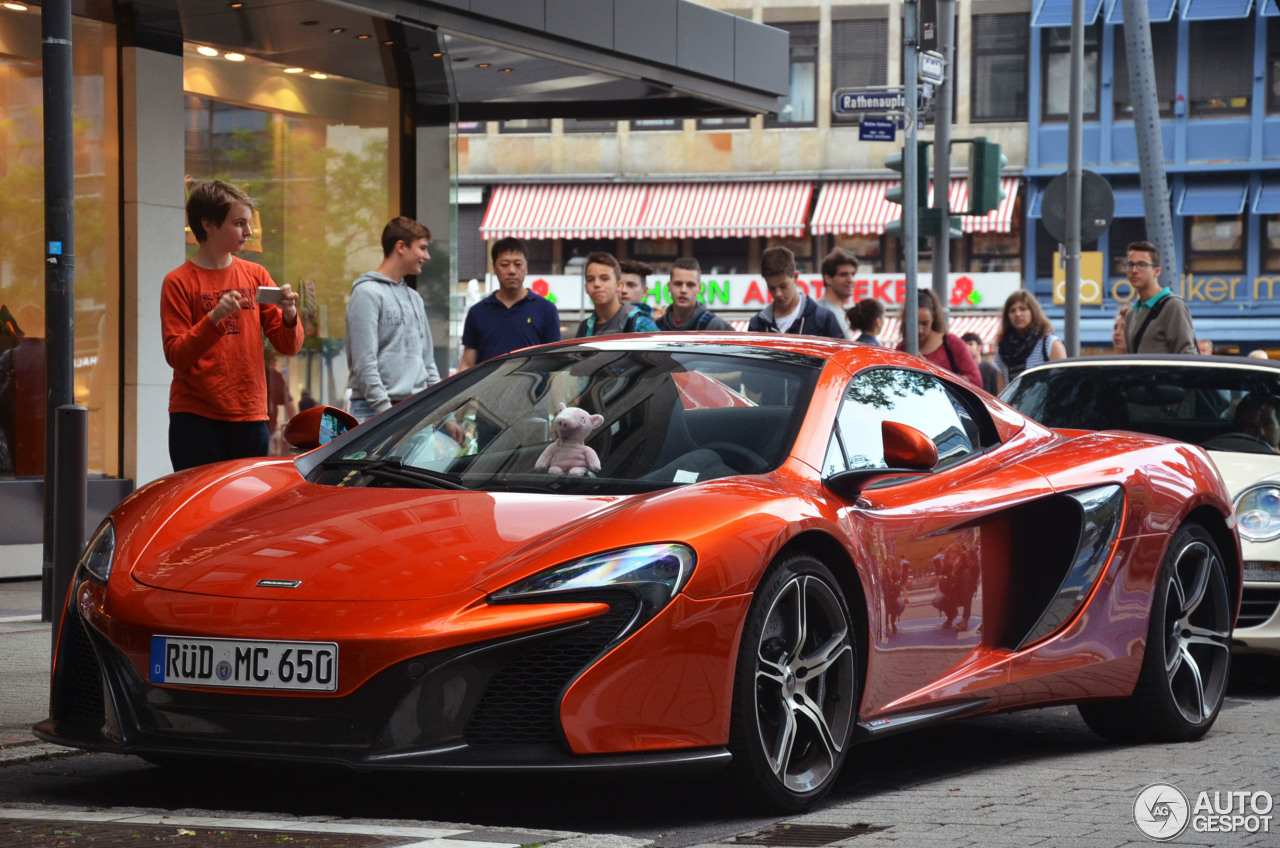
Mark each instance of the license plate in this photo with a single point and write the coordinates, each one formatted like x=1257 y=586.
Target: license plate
x=245 y=663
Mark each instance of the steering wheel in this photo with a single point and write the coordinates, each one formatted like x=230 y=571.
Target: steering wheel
x=1242 y=442
x=749 y=462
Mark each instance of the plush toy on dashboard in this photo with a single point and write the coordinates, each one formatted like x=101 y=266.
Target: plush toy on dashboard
x=569 y=454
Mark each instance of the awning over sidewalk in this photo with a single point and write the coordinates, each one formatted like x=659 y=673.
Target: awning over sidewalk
x=861 y=208
x=661 y=210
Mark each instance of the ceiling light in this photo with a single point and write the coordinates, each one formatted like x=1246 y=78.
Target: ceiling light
x=206 y=51
x=505 y=71
x=235 y=5
x=388 y=43
x=437 y=54
x=483 y=65
x=310 y=23
x=17 y=7
x=318 y=75
x=363 y=36
x=338 y=30
x=234 y=57
x=293 y=70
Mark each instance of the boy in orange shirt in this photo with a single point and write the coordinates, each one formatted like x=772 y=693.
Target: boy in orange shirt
x=213 y=327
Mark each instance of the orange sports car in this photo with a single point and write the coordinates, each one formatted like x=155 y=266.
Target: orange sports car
x=580 y=556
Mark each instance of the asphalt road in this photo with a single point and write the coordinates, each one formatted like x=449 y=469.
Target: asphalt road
x=1033 y=778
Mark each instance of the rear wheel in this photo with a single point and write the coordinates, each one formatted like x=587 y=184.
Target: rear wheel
x=1188 y=655
x=796 y=687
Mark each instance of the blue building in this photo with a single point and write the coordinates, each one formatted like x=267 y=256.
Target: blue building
x=1217 y=68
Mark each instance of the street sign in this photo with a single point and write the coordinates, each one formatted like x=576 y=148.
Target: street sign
x=1097 y=206
x=877 y=129
x=932 y=67
x=848 y=102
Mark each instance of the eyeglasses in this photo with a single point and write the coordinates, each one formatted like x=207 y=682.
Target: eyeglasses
x=1139 y=265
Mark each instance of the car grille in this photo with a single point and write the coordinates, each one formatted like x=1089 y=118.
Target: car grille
x=1257 y=606
x=83 y=693
x=519 y=706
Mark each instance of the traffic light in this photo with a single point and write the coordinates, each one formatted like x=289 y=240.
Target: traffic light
x=985 y=165
x=896 y=162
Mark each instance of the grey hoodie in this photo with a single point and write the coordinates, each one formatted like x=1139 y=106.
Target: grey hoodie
x=389 y=350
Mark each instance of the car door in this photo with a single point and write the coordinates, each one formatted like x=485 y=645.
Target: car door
x=934 y=547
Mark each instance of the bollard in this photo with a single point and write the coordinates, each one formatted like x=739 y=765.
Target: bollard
x=70 y=503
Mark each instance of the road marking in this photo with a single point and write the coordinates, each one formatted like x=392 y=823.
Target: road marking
x=423 y=837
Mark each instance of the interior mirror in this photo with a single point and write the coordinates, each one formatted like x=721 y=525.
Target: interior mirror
x=312 y=427
x=906 y=451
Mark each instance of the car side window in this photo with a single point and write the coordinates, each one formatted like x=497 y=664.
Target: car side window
x=909 y=397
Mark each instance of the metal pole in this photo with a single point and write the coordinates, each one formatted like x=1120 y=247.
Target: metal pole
x=71 y=462
x=1075 y=143
x=942 y=151
x=59 y=223
x=1146 y=124
x=910 y=177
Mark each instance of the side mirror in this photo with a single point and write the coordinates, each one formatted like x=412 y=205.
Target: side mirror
x=312 y=427
x=906 y=451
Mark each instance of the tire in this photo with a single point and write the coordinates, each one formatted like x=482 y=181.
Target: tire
x=1188 y=654
x=796 y=686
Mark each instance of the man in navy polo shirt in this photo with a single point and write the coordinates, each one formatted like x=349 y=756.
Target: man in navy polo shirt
x=512 y=317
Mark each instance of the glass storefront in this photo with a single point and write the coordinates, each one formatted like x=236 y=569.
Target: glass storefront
x=97 y=261
x=316 y=154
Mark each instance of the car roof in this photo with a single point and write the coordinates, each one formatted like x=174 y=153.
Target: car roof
x=1161 y=360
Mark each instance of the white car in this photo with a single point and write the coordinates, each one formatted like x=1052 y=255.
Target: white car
x=1230 y=406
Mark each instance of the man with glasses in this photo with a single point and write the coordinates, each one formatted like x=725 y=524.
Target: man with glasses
x=1160 y=321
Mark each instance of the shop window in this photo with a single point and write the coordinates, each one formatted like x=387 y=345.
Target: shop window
x=798 y=108
x=586 y=125
x=1215 y=244
x=575 y=252
x=525 y=125
x=95 y=163
x=995 y=252
x=866 y=247
x=1164 y=46
x=541 y=253
x=472 y=127
x=1047 y=246
x=1220 y=75
x=802 y=248
x=724 y=123
x=659 y=253
x=859 y=55
x=723 y=255
x=1124 y=232
x=1273 y=65
x=1056 y=76
x=998 y=67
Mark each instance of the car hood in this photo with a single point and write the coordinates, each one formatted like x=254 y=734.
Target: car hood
x=1242 y=470
x=358 y=544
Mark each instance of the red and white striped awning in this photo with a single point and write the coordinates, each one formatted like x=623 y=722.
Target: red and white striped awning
x=861 y=208
x=726 y=210
x=564 y=211
x=667 y=210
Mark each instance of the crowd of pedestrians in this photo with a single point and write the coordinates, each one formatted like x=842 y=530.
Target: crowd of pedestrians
x=217 y=310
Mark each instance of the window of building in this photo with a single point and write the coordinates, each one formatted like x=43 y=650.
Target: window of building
x=723 y=123
x=1220 y=73
x=995 y=252
x=998 y=67
x=1056 y=78
x=723 y=255
x=541 y=256
x=575 y=252
x=802 y=248
x=859 y=55
x=658 y=252
x=1215 y=244
x=1271 y=243
x=586 y=125
x=1273 y=65
x=656 y=124
x=798 y=108
x=95 y=162
x=1047 y=246
x=525 y=125
x=1124 y=232
x=1164 y=46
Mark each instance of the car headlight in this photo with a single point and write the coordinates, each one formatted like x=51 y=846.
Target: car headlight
x=98 y=556
x=656 y=573
x=1258 y=513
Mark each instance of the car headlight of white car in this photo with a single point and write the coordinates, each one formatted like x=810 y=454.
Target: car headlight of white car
x=1258 y=513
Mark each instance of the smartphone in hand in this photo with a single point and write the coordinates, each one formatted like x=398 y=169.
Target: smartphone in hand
x=270 y=294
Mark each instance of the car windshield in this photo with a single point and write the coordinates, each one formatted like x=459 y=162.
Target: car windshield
x=1229 y=408
x=651 y=417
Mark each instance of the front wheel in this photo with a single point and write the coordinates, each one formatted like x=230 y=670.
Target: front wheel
x=1188 y=654
x=796 y=686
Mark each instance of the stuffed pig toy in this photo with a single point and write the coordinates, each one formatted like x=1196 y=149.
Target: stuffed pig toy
x=569 y=454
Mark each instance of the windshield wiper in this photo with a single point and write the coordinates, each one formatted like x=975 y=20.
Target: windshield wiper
x=393 y=467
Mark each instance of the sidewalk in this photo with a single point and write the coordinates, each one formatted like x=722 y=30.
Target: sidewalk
x=24 y=662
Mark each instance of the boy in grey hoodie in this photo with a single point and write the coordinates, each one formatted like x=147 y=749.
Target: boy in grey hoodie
x=389 y=349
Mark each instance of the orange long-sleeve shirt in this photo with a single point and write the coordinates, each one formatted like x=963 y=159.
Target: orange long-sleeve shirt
x=218 y=369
